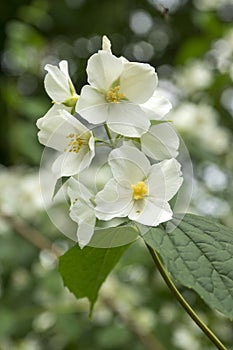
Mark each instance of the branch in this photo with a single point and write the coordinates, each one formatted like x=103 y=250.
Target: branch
x=30 y=234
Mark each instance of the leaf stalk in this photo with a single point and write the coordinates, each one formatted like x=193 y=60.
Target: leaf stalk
x=183 y=302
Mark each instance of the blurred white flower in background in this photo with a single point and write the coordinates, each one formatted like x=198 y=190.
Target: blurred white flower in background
x=208 y=5
x=20 y=195
x=185 y=338
x=201 y=122
x=215 y=179
x=194 y=76
x=221 y=52
x=20 y=192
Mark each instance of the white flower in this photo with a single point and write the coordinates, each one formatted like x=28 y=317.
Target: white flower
x=138 y=190
x=82 y=211
x=116 y=91
x=72 y=139
x=160 y=142
x=59 y=86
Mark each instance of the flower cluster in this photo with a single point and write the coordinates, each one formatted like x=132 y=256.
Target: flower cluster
x=124 y=118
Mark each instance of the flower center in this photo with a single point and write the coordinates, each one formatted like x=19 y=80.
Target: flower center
x=75 y=143
x=113 y=95
x=139 y=190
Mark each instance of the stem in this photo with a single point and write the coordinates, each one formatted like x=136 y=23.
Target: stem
x=109 y=134
x=183 y=302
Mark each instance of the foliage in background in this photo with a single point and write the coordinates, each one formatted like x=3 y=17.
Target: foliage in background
x=191 y=47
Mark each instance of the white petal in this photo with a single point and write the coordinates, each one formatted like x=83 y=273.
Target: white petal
x=113 y=201
x=138 y=81
x=56 y=84
x=165 y=179
x=128 y=165
x=150 y=212
x=92 y=105
x=54 y=130
x=63 y=65
x=77 y=190
x=91 y=143
x=160 y=142
x=70 y=119
x=106 y=44
x=53 y=133
x=52 y=112
x=85 y=217
x=85 y=231
x=71 y=163
x=127 y=119
x=157 y=106
x=103 y=69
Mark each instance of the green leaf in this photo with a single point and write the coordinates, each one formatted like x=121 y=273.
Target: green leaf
x=84 y=270
x=199 y=254
x=114 y=236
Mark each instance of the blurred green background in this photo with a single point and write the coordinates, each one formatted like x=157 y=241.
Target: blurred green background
x=190 y=43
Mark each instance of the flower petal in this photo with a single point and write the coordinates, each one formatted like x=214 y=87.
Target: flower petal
x=81 y=211
x=55 y=129
x=160 y=142
x=92 y=105
x=127 y=119
x=103 y=69
x=53 y=133
x=70 y=119
x=128 y=165
x=85 y=217
x=150 y=212
x=138 y=81
x=157 y=106
x=72 y=163
x=113 y=201
x=63 y=65
x=106 y=44
x=165 y=179
x=57 y=83
x=77 y=190
x=52 y=112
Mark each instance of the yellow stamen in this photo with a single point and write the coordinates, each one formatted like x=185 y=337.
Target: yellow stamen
x=76 y=142
x=114 y=96
x=139 y=190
